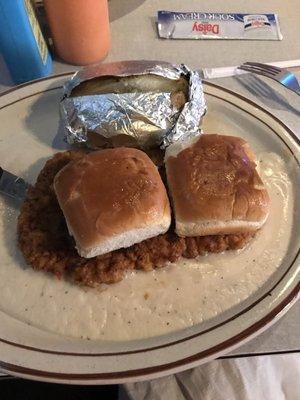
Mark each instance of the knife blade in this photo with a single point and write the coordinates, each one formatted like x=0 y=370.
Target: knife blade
x=12 y=185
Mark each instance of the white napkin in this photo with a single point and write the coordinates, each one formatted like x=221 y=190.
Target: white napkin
x=273 y=377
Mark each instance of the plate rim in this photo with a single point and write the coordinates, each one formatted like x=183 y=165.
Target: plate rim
x=161 y=370
x=226 y=345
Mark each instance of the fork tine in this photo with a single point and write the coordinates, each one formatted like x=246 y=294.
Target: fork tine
x=263 y=66
x=268 y=70
x=258 y=71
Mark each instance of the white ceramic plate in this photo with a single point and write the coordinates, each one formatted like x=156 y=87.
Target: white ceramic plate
x=29 y=126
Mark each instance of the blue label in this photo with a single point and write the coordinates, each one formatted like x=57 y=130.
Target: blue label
x=168 y=16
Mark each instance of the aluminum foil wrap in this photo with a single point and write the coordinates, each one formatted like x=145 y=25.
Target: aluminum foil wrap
x=144 y=119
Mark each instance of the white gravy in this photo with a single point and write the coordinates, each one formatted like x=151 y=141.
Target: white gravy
x=153 y=303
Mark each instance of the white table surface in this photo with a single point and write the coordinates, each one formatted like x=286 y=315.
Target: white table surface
x=134 y=36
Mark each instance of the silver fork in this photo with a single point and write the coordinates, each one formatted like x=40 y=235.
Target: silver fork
x=281 y=75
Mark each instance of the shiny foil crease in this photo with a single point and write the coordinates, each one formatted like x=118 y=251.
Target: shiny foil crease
x=146 y=119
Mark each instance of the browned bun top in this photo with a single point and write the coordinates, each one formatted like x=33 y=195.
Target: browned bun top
x=216 y=179
x=108 y=192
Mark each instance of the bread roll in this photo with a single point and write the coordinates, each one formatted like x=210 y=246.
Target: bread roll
x=112 y=199
x=215 y=187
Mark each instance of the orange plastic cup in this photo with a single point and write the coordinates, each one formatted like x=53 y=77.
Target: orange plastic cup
x=80 y=29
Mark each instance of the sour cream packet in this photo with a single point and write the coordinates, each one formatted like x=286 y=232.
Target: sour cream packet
x=206 y=25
